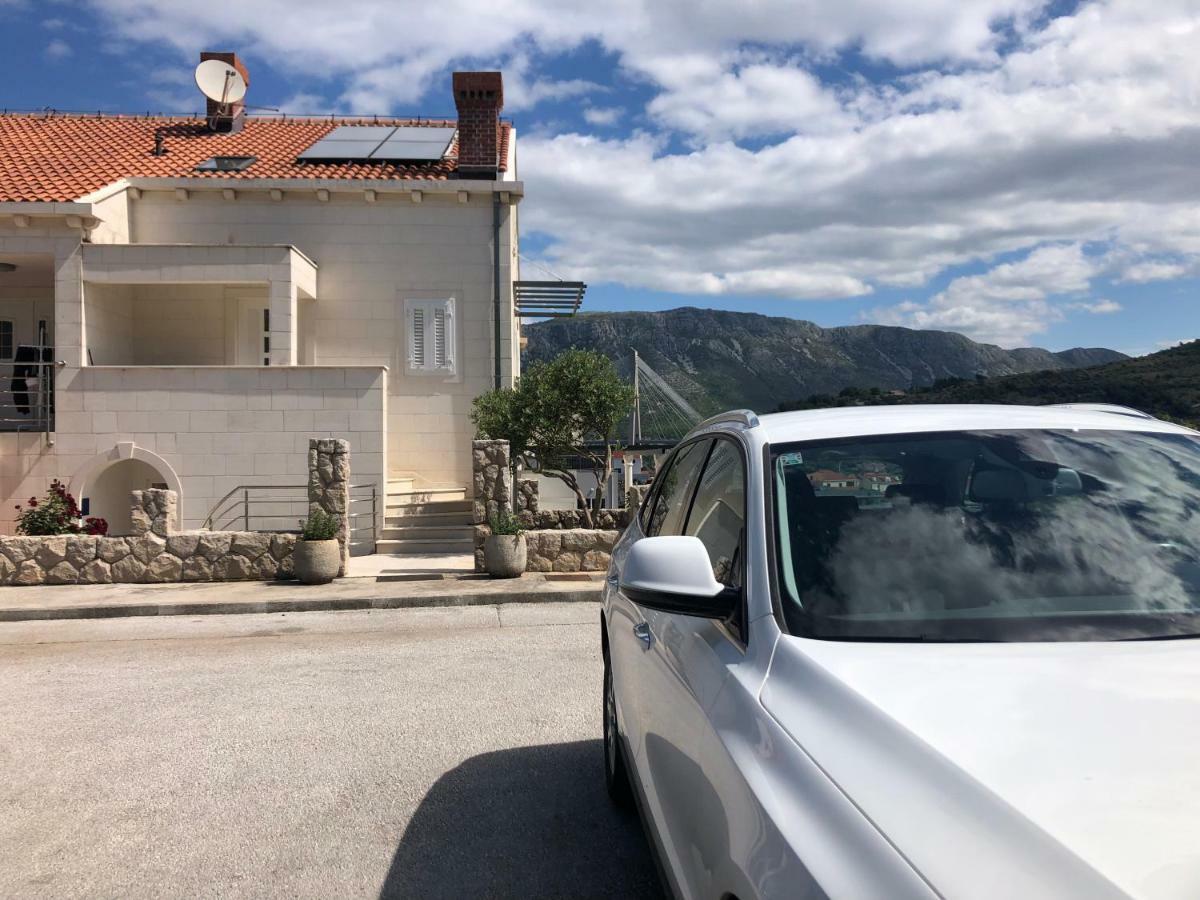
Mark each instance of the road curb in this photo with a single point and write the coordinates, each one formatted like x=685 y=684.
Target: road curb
x=297 y=604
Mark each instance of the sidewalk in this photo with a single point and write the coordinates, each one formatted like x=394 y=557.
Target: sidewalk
x=222 y=598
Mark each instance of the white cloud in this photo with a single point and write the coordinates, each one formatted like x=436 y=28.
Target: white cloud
x=1153 y=271
x=603 y=116
x=1006 y=304
x=1004 y=134
x=760 y=98
x=1097 y=307
x=58 y=49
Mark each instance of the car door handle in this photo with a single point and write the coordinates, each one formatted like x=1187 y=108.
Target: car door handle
x=642 y=632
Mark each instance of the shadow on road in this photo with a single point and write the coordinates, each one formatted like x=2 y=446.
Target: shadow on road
x=529 y=822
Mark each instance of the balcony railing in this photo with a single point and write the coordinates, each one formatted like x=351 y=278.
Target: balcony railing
x=27 y=393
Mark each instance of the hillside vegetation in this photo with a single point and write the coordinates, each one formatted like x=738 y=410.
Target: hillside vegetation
x=1165 y=384
x=719 y=360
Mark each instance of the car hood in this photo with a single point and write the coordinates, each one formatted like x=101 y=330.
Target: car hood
x=1002 y=770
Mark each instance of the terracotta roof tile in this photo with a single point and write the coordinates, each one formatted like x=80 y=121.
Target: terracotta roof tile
x=62 y=157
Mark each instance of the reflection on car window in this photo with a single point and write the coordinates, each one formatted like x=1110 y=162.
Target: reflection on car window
x=1007 y=535
x=677 y=483
x=718 y=512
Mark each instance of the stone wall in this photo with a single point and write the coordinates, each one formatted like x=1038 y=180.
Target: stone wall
x=154 y=512
x=570 y=550
x=527 y=495
x=635 y=495
x=154 y=553
x=559 y=519
x=492 y=479
x=329 y=487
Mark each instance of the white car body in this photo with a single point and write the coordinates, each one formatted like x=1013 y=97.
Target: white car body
x=783 y=766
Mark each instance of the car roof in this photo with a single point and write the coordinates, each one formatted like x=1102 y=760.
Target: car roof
x=856 y=421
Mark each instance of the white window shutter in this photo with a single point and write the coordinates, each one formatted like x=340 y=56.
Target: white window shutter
x=430 y=335
x=446 y=355
x=416 y=337
x=439 y=337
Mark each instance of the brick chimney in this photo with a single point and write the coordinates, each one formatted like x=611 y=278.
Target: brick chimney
x=479 y=97
x=233 y=119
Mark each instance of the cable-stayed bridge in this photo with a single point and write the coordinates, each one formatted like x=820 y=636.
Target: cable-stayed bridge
x=660 y=415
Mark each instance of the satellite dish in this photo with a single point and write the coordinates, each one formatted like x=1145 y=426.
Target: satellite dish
x=220 y=81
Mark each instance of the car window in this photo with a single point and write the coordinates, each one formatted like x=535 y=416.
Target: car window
x=1021 y=535
x=671 y=506
x=719 y=512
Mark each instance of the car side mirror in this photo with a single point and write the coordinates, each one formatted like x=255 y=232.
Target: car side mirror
x=673 y=574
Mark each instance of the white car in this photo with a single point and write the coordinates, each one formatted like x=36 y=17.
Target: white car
x=919 y=651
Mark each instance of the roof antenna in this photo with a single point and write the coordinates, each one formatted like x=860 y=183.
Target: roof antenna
x=159 y=149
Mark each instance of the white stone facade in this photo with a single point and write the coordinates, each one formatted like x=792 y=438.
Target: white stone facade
x=152 y=292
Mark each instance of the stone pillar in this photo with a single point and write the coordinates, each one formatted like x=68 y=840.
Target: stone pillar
x=492 y=478
x=329 y=486
x=492 y=483
x=527 y=495
x=634 y=496
x=154 y=511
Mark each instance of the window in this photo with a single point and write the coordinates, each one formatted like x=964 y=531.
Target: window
x=430 y=335
x=719 y=512
x=6 y=340
x=1036 y=535
x=226 y=163
x=678 y=482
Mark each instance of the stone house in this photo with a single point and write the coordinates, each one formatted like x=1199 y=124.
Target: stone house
x=215 y=291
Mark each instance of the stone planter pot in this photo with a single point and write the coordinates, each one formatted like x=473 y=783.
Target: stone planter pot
x=317 y=562
x=504 y=555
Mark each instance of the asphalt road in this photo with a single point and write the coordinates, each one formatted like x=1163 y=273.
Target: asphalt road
x=402 y=753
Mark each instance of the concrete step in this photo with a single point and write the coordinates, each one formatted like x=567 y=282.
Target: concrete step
x=425 y=495
x=428 y=520
x=435 y=507
x=399 y=485
x=427 y=533
x=425 y=547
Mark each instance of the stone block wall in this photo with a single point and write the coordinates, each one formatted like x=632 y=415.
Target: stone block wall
x=570 y=550
x=329 y=487
x=154 y=553
x=559 y=519
x=527 y=495
x=492 y=479
x=555 y=538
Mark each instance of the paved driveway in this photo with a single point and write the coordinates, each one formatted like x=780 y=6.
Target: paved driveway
x=403 y=753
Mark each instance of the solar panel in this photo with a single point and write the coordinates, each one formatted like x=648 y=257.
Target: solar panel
x=360 y=133
x=339 y=150
x=382 y=143
x=413 y=143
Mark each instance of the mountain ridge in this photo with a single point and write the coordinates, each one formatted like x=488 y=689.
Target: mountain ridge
x=718 y=359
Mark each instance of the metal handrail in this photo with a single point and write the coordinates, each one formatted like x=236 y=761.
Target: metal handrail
x=39 y=401
x=237 y=507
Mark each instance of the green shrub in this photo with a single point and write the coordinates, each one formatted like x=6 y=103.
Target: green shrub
x=504 y=522
x=320 y=526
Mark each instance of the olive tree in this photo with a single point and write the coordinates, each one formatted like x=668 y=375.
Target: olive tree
x=559 y=411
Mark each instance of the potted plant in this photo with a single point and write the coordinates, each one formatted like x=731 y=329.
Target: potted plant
x=504 y=548
x=317 y=556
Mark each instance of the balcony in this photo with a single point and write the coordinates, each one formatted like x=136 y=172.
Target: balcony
x=192 y=305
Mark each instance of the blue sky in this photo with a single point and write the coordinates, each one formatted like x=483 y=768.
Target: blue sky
x=1020 y=171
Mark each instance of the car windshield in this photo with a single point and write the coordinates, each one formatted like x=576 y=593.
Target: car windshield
x=990 y=536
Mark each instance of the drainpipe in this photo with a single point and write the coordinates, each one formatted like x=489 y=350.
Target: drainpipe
x=496 y=277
